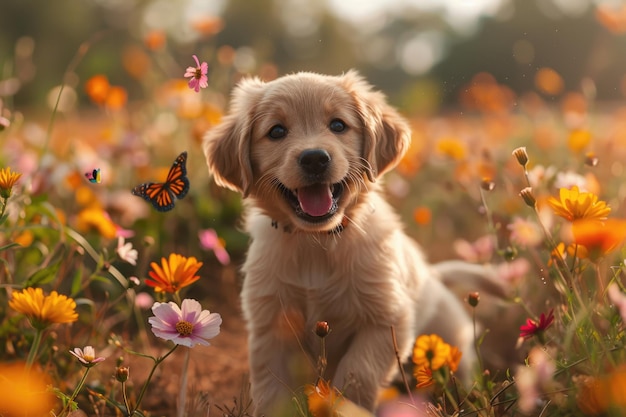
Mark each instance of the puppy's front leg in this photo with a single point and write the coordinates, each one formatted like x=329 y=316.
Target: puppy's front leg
x=274 y=355
x=368 y=364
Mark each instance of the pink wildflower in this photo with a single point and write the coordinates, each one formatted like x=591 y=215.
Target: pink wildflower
x=187 y=325
x=532 y=328
x=87 y=356
x=198 y=75
x=210 y=241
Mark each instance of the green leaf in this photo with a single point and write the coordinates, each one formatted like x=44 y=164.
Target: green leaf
x=77 y=280
x=10 y=245
x=43 y=276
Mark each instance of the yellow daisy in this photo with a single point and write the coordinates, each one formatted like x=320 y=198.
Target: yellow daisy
x=7 y=181
x=431 y=351
x=575 y=205
x=43 y=310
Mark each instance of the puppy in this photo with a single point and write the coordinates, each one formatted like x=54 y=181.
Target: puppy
x=307 y=151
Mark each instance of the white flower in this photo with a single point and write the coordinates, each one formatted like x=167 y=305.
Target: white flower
x=86 y=356
x=126 y=252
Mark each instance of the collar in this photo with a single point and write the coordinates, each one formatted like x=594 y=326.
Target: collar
x=287 y=228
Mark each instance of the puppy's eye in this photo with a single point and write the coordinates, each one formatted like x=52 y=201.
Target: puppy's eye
x=337 y=125
x=277 y=132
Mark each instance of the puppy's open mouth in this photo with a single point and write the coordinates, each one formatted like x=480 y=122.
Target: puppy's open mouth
x=314 y=203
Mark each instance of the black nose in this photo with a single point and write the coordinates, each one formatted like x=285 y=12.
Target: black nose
x=314 y=161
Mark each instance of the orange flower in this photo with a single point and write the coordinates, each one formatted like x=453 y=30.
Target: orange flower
x=96 y=218
x=422 y=215
x=578 y=140
x=548 y=81
x=452 y=148
x=116 y=99
x=155 y=40
x=97 y=88
x=174 y=273
x=322 y=399
x=575 y=205
x=599 y=238
x=431 y=351
x=424 y=376
x=24 y=391
x=454 y=358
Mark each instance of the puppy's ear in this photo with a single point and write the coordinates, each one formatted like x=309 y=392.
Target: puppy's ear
x=387 y=135
x=227 y=145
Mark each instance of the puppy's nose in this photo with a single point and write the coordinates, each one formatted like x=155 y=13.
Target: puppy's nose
x=314 y=161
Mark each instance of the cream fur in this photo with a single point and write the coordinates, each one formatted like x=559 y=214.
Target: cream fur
x=362 y=280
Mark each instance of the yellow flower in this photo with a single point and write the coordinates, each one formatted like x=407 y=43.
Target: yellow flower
x=322 y=400
x=43 y=310
x=452 y=148
x=575 y=205
x=7 y=181
x=578 y=140
x=431 y=351
x=174 y=273
x=96 y=218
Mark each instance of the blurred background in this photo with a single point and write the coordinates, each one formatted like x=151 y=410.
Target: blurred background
x=422 y=52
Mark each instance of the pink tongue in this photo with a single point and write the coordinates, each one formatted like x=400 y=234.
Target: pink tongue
x=315 y=200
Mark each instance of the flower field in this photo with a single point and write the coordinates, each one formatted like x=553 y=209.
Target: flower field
x=119 y=255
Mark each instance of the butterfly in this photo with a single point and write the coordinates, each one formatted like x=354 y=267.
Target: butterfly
x=94 y=176
x=163 y=194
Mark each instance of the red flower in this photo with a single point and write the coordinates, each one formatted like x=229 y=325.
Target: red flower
x=532 y=328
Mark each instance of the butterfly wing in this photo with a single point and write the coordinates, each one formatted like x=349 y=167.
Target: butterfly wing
x=176 y=186
x=158 y=194
x=96 y=175
x=177 y=180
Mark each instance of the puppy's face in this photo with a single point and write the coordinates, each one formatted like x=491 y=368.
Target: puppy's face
x=304 y=146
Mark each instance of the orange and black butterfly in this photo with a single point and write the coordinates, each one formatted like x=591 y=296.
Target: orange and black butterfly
x=163 y=194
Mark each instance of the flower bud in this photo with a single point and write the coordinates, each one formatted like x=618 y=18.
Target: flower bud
x=529 y=198
x=521 y=155
x=487 y=184
x=591 y=159
x=322 y=329
x=122 y=373
x=473 y=298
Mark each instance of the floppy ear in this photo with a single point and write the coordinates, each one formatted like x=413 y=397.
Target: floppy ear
x=386 y=134
x=227 y=145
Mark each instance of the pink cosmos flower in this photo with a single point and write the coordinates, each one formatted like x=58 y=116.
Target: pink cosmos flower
x=126 y=252
x=210 y=241
x=532 y=328
x=198 y=75
x=188 y=325
x=87 y=356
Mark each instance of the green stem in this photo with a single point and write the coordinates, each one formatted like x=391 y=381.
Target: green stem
x=182 y=393
x=34 y=349
x=125 y=398
x=157 y=362
x=76 y=391
x=477 y=350
x=4 y=206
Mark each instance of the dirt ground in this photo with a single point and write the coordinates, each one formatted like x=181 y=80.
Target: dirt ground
x=217 y=373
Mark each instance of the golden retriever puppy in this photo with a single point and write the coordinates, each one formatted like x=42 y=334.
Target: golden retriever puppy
x=307 y=151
